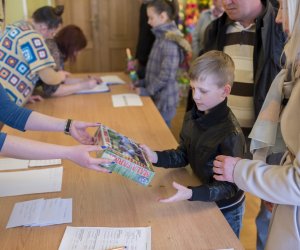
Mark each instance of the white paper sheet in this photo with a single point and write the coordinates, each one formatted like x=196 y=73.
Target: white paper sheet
x=103 y=238
x=98 y=89
x=41 y=163
x=25 y=213
x=124 y=100
x=41 y=212
x=31 y=181
x=112 y=79
x=13 y=164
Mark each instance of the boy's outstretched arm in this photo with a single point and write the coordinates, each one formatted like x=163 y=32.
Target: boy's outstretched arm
x=183 y=193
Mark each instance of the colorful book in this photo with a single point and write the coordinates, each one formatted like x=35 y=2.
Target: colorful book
x=129 y=159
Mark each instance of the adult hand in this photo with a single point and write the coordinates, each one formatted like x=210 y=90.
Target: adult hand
x=80 y=155
x=224 y=167
x=183 y=193
x=35 y=98
x=64 y=74
x=90 y=83
x=138 y=91
x=151 y=155
x=79 y=133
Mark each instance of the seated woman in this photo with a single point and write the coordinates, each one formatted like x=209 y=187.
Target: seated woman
x=24 y=56
x=66 y=45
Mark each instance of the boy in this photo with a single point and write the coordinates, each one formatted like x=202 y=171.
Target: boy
x=209 y=129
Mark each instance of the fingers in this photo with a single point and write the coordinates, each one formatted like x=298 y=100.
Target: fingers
x=177 y=185
x=99 y=168
x=167 y=200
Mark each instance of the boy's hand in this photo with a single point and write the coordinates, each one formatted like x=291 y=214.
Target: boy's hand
x=151 y=155
x=183 y=193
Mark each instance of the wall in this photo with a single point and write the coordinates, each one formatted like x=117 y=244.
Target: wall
x=20 y=9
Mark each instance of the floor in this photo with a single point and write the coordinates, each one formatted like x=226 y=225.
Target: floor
x=248 y=233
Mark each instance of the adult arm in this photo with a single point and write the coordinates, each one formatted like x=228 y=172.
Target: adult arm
x=71 y=88
x=11 y=114
x=51 y=77
x=274 y=183
x=277 y=184
x=18 y=148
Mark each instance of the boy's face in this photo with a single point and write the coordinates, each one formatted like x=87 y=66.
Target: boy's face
x=207 y=94
x=155 y=19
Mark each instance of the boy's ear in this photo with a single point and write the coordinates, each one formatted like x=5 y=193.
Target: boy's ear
x=227 y=90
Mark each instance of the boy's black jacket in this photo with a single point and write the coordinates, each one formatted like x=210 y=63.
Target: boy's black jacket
x=202 y=138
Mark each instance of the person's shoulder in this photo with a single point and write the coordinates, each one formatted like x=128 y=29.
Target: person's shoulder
x=233 y=123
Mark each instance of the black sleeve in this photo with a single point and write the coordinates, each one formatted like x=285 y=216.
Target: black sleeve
x=174 y=158
x=233 y=145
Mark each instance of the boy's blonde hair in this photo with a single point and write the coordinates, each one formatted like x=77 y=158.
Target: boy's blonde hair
x=215 y=63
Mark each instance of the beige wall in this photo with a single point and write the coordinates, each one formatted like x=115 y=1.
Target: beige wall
x=15 y=8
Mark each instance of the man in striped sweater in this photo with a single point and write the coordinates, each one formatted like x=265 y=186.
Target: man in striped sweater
x=248 y=32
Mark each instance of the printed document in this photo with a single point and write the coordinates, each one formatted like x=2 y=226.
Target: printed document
x=104 y=238
x=124 y=100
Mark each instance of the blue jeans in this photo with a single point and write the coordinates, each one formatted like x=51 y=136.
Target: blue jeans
x=235 y=218
x=262 y=224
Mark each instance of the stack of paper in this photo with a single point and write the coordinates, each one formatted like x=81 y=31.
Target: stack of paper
x=31 y=181
x=124 y=100
x=98 y=89
x=103 y=238
x=41 y=212
x=13 y=164
x=112 y=79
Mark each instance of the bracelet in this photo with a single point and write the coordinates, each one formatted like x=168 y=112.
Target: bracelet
x=67 y=127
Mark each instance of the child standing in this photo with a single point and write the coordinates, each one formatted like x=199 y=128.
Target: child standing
x=165 y=57
x=209 y=129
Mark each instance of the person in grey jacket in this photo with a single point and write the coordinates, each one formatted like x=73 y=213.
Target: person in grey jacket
x=167 y=53
x=281 y=118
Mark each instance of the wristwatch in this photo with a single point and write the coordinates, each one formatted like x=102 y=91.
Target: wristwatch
x=67 y=127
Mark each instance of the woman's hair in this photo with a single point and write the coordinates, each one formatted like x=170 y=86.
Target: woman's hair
x=291 y=10
x=51 y=16
x=213 y=63
x=168 y=6
x=70 y=40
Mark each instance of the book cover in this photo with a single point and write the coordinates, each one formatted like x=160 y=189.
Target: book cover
x=130 y=160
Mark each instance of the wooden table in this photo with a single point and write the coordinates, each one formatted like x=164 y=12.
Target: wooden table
x=111 y=200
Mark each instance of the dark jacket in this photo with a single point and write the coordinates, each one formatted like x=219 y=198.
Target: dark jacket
x=202 y=138
x=269 y=43
x=145 y=40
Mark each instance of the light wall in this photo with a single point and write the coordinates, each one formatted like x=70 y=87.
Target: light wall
x=22 y=9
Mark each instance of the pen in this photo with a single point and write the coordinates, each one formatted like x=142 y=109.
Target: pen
x=118 y=248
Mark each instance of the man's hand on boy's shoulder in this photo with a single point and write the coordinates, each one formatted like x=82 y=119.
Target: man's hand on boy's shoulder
x=183 y=193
